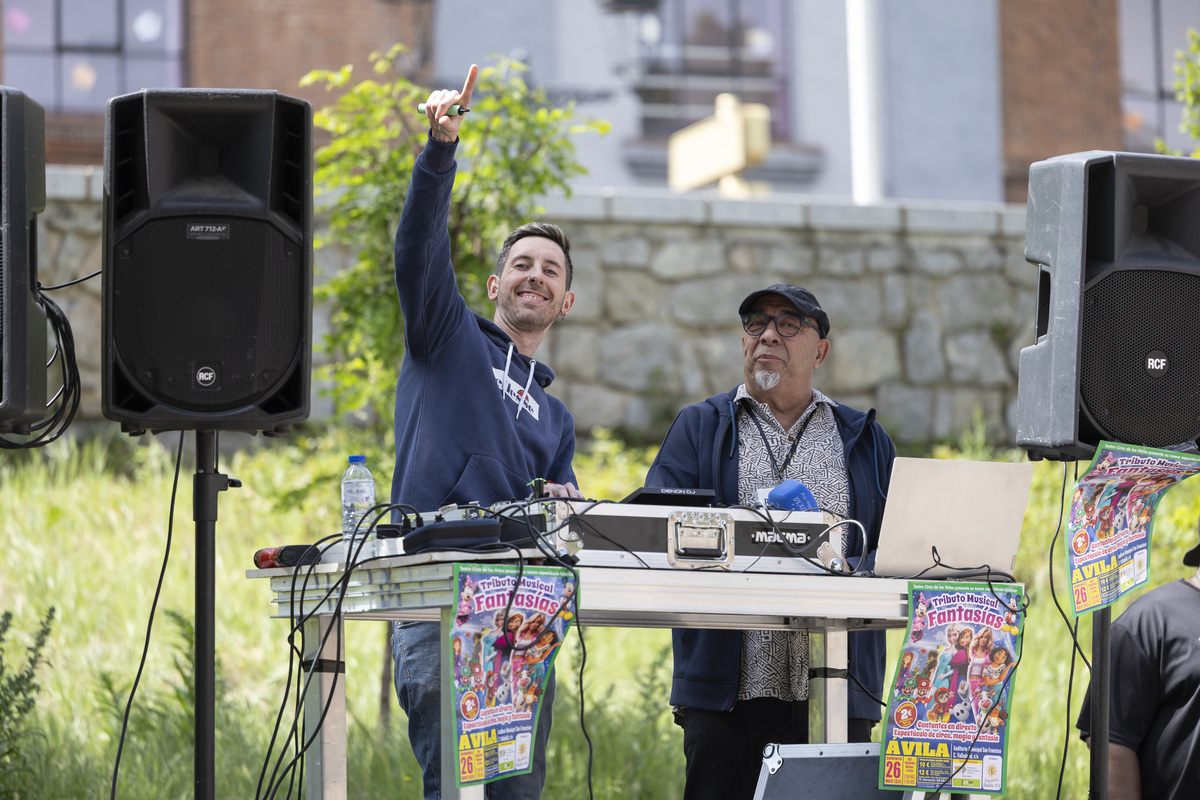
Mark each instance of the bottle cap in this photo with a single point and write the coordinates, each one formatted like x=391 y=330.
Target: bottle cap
x=358 y=459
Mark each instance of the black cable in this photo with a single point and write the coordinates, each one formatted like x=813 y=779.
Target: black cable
x=957 y=573
x=303 y=677
x=979 y=730
x=298 y=628
x=570 y=567
x=341 y=585
x=523 y=508
x=535 y=536
x=65 y=401
x=582 y=663
x=1067 y=731
x=1050 y=563
x=1076 y=648
x=984 y=571
x=863 y=686
x=767 y=517
x=301 y=689
x=69 y=283
x=588 y=527
x=288 y=682
x=150 y=622
x=578 y=516
x=987 y=572
x=764 y=514
x=999 y=694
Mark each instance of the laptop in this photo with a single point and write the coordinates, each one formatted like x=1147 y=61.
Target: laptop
x=971 y=511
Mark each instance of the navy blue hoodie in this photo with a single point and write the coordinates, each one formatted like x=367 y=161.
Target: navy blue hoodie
x=701 y=452
x=470 y=424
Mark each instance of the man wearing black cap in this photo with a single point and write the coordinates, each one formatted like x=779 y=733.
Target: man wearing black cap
x=735 y=691
x=1154 y=710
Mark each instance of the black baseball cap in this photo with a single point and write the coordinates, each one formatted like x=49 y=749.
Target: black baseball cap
x=1192 y=557
x=802 y=299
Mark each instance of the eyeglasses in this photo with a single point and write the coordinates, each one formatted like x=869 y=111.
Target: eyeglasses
x=788 y=325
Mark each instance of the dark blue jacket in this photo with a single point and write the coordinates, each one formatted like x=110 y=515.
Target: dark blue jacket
x=466 y=428
x=700 y=452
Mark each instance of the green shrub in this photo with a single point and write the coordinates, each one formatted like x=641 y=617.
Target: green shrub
x=114 y=524
x=18 y=698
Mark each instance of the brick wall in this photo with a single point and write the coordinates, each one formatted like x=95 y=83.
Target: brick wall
x=269 y=44
x=266 y=44
x=1061 y=76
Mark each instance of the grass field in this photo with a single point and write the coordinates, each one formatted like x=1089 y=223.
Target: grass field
x=84 y=530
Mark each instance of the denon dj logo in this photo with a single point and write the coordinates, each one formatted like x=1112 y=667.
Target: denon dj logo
x=208 y=230
x=1156 y=363
x=206 y=376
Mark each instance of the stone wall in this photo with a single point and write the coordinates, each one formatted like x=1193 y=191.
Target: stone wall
x=929 y=304
x=69 y=249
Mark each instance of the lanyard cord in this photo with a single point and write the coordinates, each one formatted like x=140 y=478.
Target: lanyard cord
x=779 y=471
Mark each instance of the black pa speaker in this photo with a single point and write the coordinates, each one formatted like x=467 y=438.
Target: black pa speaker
x=1116 y=239
x=23 y=326
x=207 y=262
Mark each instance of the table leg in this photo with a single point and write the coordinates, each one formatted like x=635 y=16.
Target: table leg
x=325 y=761
x=829 y=694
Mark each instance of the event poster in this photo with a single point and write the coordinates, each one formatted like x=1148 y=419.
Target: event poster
x=503 y=643
x=1112 y=517
x=947 y=717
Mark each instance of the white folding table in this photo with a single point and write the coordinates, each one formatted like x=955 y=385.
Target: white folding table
x=422 y=587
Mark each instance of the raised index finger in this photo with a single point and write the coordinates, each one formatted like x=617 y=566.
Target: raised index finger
x=464 y=99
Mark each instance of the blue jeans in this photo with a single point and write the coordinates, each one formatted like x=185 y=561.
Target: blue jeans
x=416 y=661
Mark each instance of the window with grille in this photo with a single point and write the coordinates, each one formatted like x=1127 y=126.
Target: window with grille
x=73 y=55
x=689 y=51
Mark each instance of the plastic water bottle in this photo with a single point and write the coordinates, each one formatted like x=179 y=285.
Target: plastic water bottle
x=358 y=496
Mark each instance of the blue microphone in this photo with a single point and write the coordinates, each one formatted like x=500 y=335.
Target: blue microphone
x=792 y=496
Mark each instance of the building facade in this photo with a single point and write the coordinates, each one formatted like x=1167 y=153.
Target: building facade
x=930 y=293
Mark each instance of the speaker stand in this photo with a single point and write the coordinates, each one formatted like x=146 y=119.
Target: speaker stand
x=1101 y=682
x=206 y=486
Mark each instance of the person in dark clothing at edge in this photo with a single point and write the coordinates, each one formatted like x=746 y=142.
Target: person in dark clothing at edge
x=735 y=691
x=473 y=420
x=1154 y=705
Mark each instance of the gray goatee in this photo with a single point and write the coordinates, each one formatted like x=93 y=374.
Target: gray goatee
x=766 y=379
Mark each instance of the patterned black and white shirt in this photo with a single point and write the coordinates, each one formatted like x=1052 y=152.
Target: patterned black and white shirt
x=775 y=663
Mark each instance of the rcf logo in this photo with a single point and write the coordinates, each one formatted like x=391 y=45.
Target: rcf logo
x=206 y=376
x=1156 y=363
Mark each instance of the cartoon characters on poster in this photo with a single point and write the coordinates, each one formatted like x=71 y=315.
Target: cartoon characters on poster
x=948 y=707
x=958 y=675
x=1117 y=499
x=503 y=655
x=1110 y=521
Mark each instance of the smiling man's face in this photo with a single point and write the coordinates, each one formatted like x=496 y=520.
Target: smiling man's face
x=531 y=290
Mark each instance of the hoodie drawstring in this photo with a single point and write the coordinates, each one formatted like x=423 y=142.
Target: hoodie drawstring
x=525 y=393
x=504 y=380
